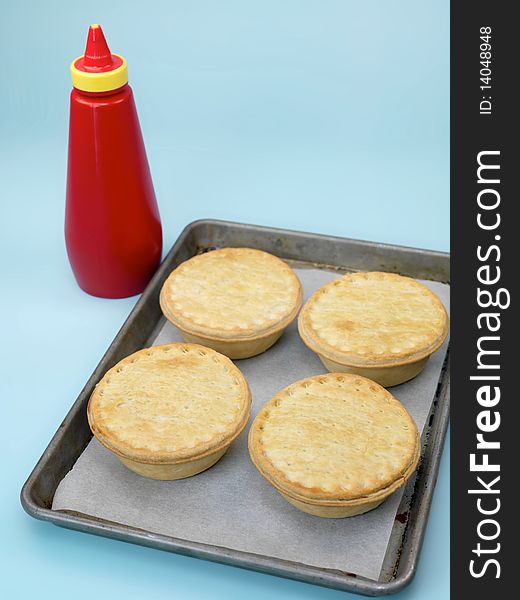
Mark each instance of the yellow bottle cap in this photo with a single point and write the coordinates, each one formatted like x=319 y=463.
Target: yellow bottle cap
x=98 y=70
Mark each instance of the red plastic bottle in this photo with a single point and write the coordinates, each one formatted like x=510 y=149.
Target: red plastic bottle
x=112 y=225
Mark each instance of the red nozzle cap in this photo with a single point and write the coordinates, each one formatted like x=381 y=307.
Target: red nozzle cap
x=97 y=52
x=97 y=58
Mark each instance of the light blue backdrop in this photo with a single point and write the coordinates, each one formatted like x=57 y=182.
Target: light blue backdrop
x=330 y=116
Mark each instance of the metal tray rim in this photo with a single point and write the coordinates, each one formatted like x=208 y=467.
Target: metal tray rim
x=270 y=565
x=311 y=234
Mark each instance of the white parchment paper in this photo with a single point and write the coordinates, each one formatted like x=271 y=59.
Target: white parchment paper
x=231 y=505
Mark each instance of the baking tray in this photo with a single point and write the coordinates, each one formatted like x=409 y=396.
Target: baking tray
x=310 y=249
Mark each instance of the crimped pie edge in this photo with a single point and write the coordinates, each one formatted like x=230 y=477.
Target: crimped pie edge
x=184 y=455
x=185 y=324
x=321 y=497
x=309 y=337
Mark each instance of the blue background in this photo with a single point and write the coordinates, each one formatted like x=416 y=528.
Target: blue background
x=330 y=116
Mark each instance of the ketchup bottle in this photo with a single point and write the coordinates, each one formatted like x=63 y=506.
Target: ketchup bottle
x=112 y=225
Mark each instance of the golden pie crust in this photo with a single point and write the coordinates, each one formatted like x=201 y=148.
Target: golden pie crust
x=170 y=411
x=237 y=301
x=380 y=325
x=334 y=445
